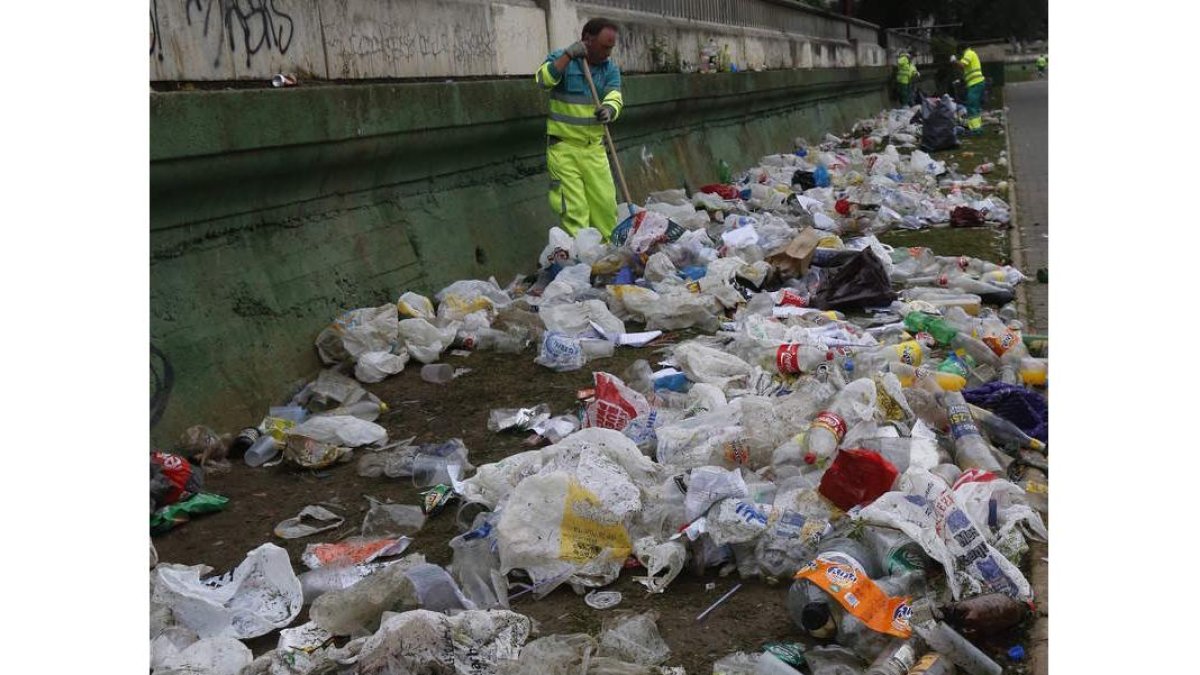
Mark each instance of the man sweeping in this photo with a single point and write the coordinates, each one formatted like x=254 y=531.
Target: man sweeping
x=581 y=186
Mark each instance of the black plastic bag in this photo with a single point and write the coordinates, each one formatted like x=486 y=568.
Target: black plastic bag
x=804 y=179
x=937 y=129
x=862 y=282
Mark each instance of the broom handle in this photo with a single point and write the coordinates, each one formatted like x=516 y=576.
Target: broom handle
x=612 y=148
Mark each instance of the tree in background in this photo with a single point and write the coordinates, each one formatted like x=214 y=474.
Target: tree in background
x=980 y=19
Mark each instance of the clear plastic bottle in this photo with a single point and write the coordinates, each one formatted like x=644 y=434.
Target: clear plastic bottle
x=854 y=403
x=971 y=451
x=363 y=410
x=896 y=658
x=958 y=649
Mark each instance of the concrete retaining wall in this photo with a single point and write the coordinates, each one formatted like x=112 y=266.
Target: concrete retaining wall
x=224 y=40
x=274 y=210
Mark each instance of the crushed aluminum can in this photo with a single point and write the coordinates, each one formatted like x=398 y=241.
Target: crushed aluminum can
x=435 y=499
x=602 y=599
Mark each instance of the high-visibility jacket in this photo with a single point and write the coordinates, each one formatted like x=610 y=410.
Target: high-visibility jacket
x=1041 y=62
x=572 y=111
x=905 y=70
x=972 y=70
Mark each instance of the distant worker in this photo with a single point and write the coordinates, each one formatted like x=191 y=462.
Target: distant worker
x=973 y=79
x=1041 y=65
x=905 y=72
x=581 y=185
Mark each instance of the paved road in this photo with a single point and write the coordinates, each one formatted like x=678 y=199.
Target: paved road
x=1028 y=126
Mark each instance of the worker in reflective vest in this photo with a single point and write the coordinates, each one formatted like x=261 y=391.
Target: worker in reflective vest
x=973 y=79
x=582 y=192
x=905 y=72
x=1041 y=65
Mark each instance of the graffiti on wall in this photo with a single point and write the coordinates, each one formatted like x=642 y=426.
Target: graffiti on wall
x=230 y=28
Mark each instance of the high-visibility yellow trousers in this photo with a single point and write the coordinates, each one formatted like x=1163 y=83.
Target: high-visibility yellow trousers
x=581 y=187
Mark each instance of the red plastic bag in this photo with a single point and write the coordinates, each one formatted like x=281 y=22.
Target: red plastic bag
x=721 y=190
x=616 y=405
x=842 y=206
x=857 y=476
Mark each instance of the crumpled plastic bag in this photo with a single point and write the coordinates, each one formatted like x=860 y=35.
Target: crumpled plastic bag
x=574 y=319
x=709 y=484
x=1002 y=506
x=377 y=366
x=260 y=595
x=615 y=405
x=736 y=521
x=569 y=283
x=211 y=656
x=862 y=282
x=421 y=641
x=710 y=365
x=559 y=248
x=425 y=341
x=466 y=296
x=929 y=512
x=311 y=520
x=493 y=482
x=663 y=562
x=345 y=430
x=633 y=638
x=415 y=306
x=310 y=453
x=554 y=527
x=370 y=329
x=561 y=353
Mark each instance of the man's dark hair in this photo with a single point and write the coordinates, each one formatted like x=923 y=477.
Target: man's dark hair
x=593 y=27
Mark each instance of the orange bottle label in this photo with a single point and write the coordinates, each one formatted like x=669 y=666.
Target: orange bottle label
x=844 y=579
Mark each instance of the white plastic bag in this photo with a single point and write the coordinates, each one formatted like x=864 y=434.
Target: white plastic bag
x=258 y=596
x=415 y=306
x=712 y=366
x=559 y=248
x=421 y=641
x=560 y=352
x=574 y=319
x=929 y=512
x=344 y=430
x=211 y=656
x=470 y=295
x=633 y=638
x=370 y=329
x=709 y=484
x=425 y=341
x=377 y=366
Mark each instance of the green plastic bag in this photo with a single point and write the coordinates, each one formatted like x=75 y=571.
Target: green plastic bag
x=179 y=513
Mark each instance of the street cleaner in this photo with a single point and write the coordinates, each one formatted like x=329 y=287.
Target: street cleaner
x=973 y=79
x=582 y=192
x=905 y=72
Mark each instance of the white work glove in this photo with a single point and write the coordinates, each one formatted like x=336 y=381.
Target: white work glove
x=605 y=114
x=577 y=50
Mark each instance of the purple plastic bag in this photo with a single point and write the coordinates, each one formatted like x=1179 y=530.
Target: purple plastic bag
x=1027 y=409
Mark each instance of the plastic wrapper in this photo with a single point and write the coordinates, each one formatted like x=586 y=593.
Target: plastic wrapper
x=523 y=419
x=418 y=641
x=260 y=595
x=377 y=366
x=358 y=331
x=425 y=341
x=633 y=638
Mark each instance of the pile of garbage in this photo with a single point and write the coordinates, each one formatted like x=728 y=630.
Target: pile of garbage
x=865 y=425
